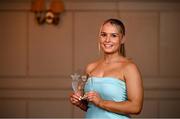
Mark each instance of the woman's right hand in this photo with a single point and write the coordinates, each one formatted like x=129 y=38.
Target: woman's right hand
x=75 y=98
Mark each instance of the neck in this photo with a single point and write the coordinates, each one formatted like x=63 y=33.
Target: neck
x=110 y=58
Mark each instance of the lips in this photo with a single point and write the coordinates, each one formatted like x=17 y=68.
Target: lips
x=108 y=45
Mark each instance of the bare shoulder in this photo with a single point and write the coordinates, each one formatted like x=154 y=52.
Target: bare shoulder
x=91 y=66
x=131 y=70
x=129 y=64
x=130 y=67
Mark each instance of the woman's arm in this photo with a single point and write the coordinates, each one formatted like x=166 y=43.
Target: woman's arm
x=134 y=92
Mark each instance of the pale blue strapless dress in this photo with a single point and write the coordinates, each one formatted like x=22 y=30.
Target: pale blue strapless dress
x=109 y=88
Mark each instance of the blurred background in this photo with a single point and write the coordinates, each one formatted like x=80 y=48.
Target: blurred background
x=42 y=45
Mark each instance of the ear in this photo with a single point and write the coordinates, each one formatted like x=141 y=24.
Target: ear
x=123 y=40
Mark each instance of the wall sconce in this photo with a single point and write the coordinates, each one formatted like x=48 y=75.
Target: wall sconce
x=51 y=15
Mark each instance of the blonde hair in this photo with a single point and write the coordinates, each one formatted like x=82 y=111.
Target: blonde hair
x=121 y=28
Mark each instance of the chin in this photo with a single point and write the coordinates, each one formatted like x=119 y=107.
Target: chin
x=108 y=52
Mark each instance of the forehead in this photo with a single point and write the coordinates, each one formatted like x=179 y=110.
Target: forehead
x=109 y=28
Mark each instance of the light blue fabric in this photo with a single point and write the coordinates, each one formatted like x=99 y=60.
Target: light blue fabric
x=109 y=88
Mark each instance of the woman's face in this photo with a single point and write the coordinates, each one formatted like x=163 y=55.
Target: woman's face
x=110 y=38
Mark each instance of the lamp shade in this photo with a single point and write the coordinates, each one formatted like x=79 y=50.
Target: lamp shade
x=57 y=6
x=38 y=6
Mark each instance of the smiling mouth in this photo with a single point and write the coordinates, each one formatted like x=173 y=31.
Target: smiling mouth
x=108 y=45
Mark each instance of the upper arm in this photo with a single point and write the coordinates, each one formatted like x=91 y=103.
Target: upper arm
x=134 y=84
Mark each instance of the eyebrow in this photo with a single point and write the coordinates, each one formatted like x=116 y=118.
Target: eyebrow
x=111 y=33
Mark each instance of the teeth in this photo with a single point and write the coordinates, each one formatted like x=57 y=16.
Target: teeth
x=108 y=45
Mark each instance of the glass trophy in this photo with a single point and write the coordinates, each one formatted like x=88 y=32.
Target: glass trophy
x=78 y=83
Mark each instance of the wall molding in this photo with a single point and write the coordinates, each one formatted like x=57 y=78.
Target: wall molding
x=99 y=5
x=65 y=83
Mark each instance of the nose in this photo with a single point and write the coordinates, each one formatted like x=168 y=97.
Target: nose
x=107 y=38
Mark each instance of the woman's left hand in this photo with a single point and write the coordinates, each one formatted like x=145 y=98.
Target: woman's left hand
x=94 y=97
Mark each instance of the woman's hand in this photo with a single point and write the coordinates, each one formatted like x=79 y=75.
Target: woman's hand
x=94 y=97
x=75 y=98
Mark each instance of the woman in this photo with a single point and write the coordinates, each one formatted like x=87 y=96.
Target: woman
x=116 y=90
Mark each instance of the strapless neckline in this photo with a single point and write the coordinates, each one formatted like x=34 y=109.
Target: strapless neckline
x=108 y=77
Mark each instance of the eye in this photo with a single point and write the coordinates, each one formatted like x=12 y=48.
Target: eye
x=114 y=35
x=103 y=34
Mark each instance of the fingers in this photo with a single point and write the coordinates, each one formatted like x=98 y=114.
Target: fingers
x=74 y=99
x=92 y=95
x=84 y=97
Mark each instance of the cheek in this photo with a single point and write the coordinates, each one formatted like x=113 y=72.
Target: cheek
x=101 y=41
x=116 y=42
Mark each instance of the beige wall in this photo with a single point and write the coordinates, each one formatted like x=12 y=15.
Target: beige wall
x=36 y=61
